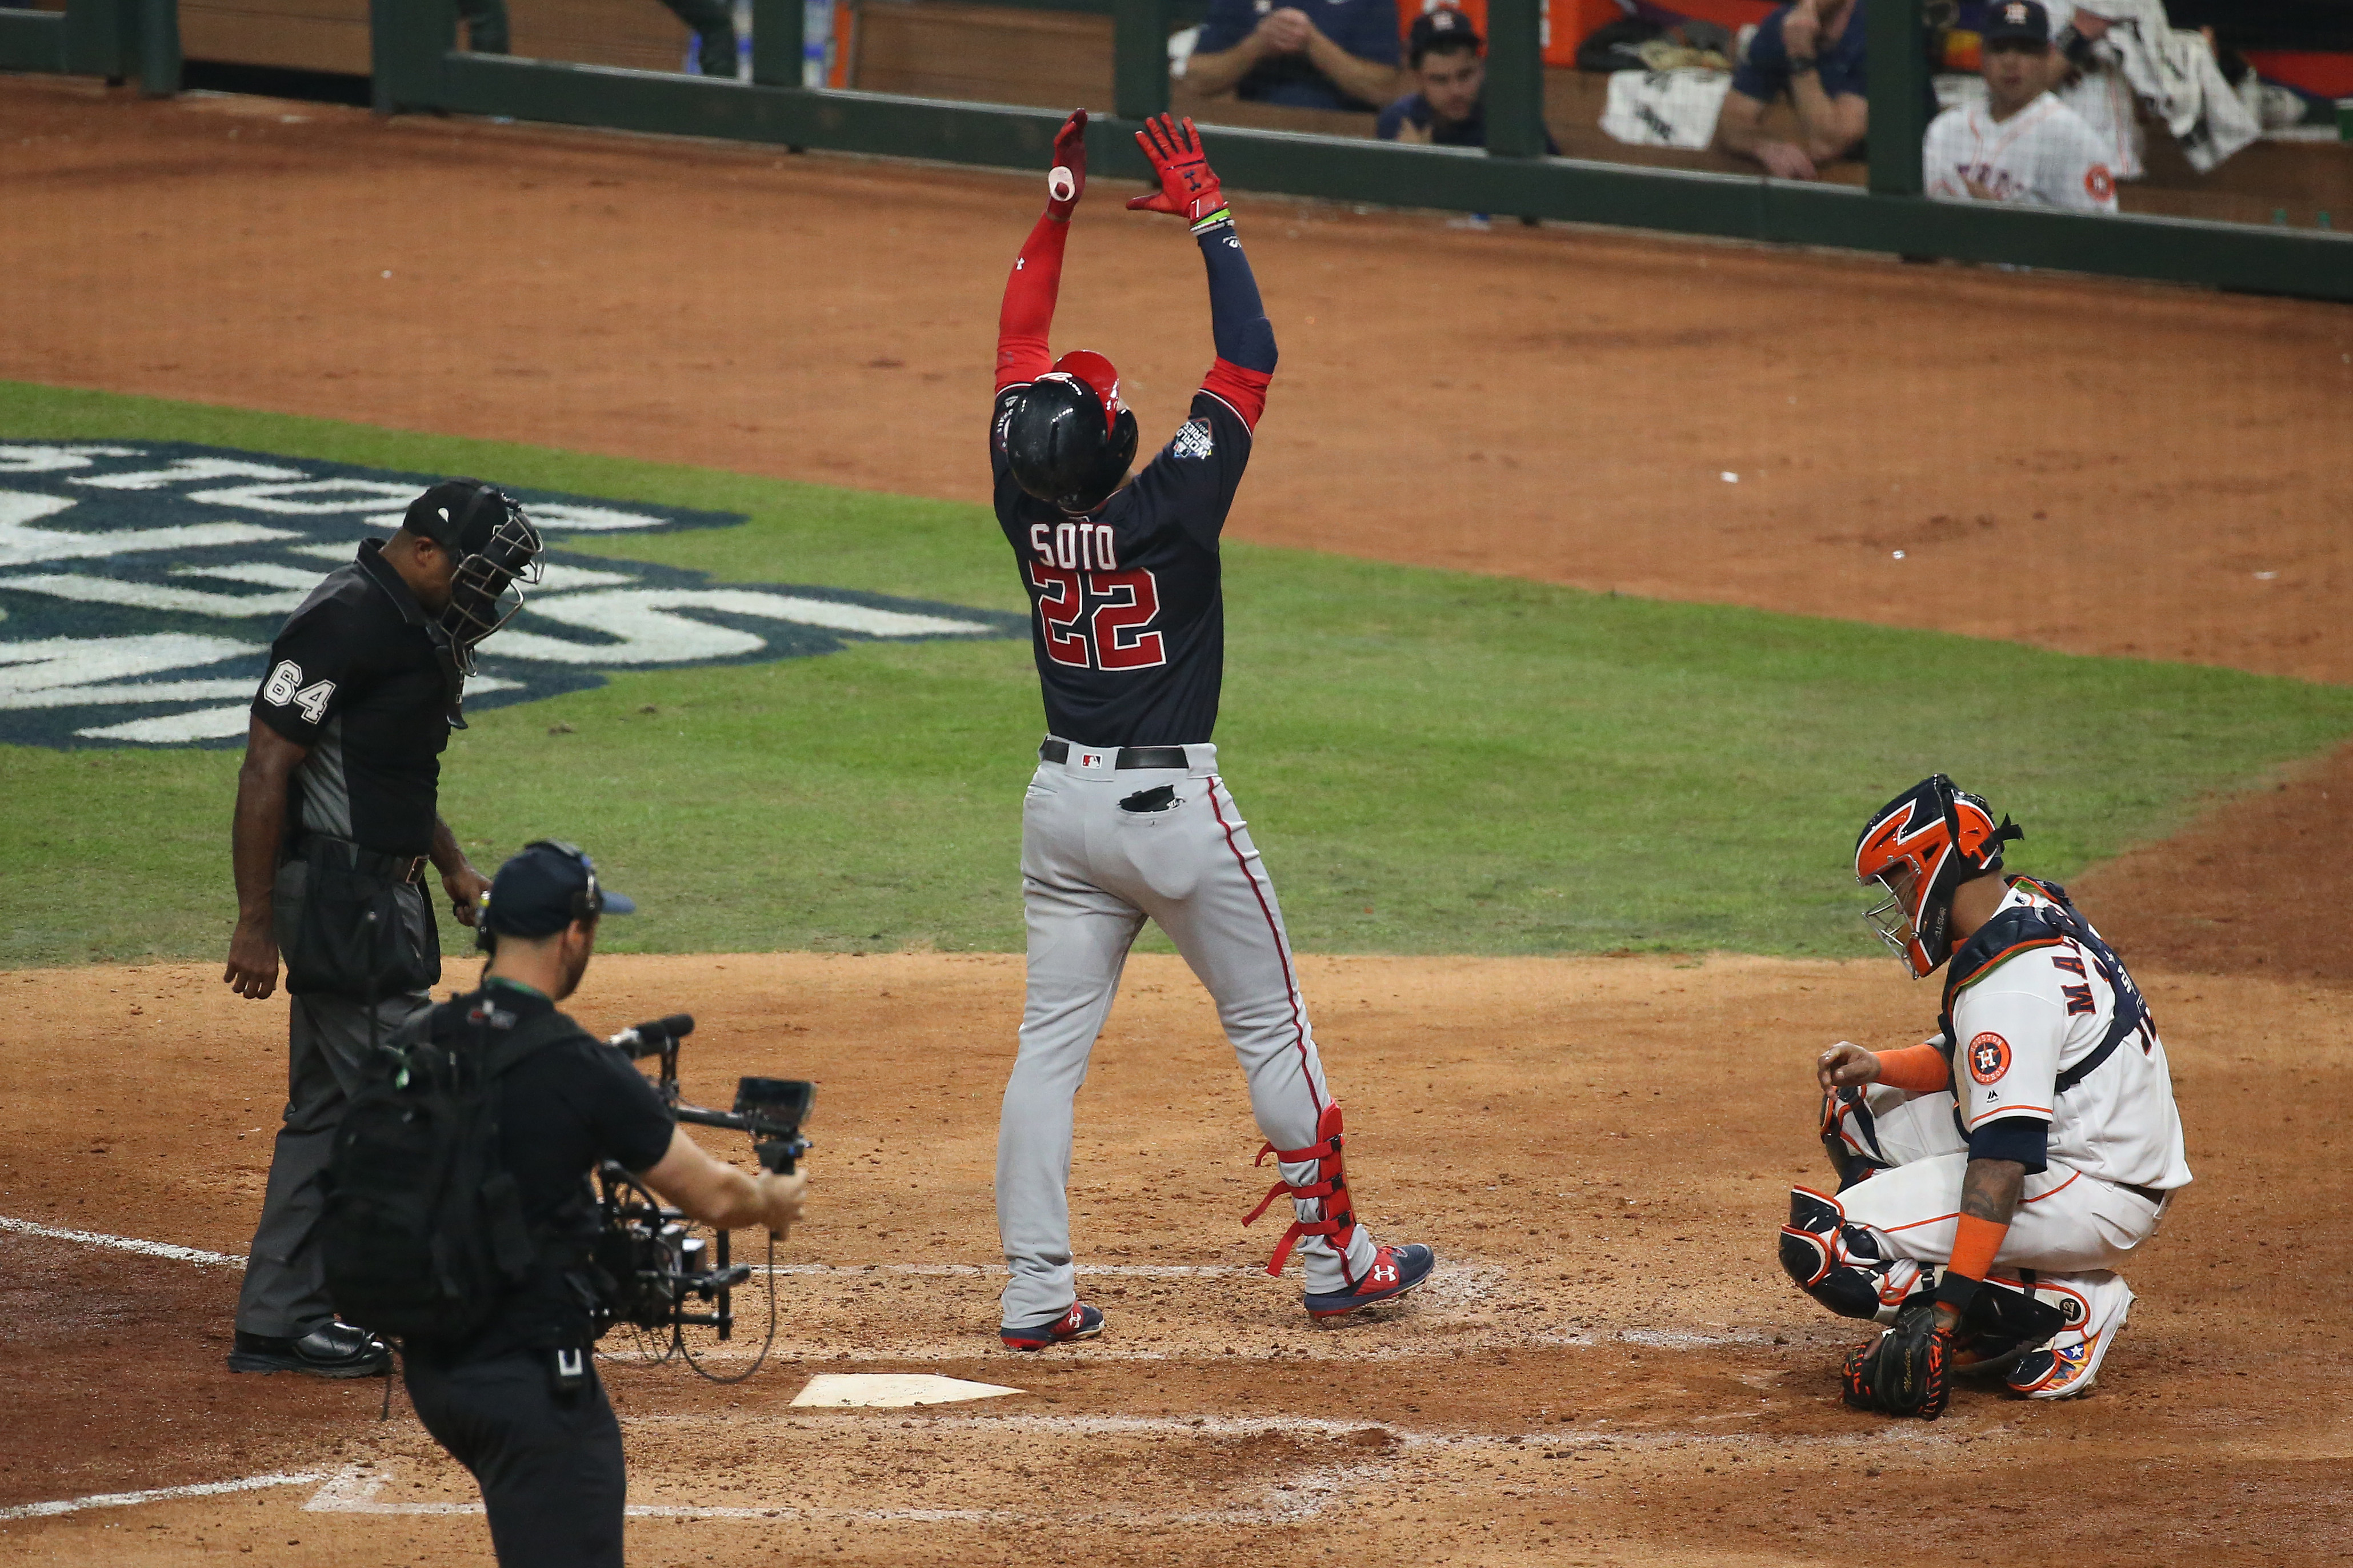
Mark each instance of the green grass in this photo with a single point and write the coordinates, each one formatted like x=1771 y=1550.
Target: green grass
x=1432 y=761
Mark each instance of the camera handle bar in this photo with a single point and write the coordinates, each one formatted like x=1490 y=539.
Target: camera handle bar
x=673 y=1266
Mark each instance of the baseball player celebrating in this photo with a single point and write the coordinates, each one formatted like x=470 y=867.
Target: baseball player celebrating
x=2022 y=1154
x=2022 y=144
x=1127 y=818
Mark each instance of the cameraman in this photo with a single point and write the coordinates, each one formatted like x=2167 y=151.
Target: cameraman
x=336 y=820
x=519 y=1405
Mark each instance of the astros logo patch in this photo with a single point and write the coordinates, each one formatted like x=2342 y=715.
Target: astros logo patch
x=1989 y=1057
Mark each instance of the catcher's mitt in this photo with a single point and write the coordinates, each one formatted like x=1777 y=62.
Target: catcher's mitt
x=1907 y=1370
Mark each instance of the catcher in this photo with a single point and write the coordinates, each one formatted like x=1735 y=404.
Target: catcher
x=1993 y=1178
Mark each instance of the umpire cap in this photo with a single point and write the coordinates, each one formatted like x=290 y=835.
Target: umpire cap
x=1068 y=436
x=458 y=515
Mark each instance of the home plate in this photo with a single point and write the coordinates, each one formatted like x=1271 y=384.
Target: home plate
x=890 y=1390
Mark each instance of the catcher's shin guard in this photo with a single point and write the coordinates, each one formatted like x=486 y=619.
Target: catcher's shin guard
x=1328 y=1192
x=1839 y=1264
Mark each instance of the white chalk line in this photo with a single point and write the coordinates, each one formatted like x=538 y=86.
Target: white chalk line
x=160 y=1494
x=204 y=1259
x=1470 y=1280
x=197 y=1256
x=354 y=1489
x=1293 y=1496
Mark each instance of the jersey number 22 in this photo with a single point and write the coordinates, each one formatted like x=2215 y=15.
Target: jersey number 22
x=1115 y=636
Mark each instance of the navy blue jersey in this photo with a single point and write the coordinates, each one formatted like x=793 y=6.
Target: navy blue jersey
x=1129 y=626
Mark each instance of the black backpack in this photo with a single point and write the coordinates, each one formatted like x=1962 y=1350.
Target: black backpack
x=423 y=1234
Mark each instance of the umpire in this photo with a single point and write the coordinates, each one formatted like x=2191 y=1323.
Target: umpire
x=519 y=1404
x=335 y=822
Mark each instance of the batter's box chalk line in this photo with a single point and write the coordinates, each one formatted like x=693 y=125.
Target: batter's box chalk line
x=160 y=1494
x=197 y=1256
x=1296 y=1495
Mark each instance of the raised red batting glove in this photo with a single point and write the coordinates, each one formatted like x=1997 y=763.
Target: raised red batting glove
x=1188 y=187
x=1067 y=181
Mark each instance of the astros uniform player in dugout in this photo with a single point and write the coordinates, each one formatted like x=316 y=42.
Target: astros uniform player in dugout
x=2022 y=144
x=337 y=819
x=1993 y=1179
x=1126 y=818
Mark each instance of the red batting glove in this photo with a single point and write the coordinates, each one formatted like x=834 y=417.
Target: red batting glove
x=1189 y=188
x=1067 y=181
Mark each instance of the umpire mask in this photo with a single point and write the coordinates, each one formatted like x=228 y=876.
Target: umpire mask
x=497 y=551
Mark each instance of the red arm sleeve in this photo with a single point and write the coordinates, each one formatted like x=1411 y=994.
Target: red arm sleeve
x=1028 y=310
x=1244 y=390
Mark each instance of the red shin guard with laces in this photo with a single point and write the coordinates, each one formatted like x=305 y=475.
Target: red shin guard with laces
x=1329 y=1191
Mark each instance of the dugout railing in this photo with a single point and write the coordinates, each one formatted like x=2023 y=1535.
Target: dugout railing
x=121 y=40
x=416 y=66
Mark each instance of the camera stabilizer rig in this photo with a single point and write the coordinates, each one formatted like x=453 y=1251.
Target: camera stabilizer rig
x=667 y=1275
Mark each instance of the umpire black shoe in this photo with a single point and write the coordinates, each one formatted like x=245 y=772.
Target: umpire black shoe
x=328 y=1349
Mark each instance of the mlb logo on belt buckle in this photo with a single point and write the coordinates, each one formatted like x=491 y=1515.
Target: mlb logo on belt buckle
x=1091 y=759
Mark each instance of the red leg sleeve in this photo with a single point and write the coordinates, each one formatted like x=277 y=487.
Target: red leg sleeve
x=1028 y=310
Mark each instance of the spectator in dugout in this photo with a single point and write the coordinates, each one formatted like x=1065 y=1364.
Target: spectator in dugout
x=1343 y=56
x=1444 y=56
x=1812 y=54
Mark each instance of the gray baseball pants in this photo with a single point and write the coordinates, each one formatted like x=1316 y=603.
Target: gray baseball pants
x=285 y=1290
x=1091 y=873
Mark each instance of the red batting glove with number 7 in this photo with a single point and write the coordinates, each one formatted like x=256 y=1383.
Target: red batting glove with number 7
x=1067 y=181
x=1189 y=189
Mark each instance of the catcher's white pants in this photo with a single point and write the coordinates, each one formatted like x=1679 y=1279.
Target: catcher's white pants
x=1092 y=874
x=2067 y=1223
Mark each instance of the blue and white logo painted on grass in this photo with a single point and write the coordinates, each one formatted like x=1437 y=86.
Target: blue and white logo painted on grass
x=141 y=581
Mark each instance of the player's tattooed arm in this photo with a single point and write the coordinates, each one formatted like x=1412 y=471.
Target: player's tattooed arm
x=1991 y=1188
x=1989 y=1193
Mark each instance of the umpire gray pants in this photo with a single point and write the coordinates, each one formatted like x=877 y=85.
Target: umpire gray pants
x=285 y=1290
x=1092 y=874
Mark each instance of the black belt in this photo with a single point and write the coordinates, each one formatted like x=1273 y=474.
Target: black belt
x=2151 y=1194
x=407 y=869
x=1128 y=757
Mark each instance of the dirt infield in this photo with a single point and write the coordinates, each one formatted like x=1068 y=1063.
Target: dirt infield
x=2080 y=464
x=1609 y=1369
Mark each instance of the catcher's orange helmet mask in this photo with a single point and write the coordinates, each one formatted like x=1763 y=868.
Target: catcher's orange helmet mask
x=1919 y=847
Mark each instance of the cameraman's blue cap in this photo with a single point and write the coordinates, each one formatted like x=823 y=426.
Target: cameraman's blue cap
x=546 y=888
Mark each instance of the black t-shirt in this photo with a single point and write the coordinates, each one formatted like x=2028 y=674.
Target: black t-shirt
x=561 y=1109
x=354 y=676
x=1129 y=627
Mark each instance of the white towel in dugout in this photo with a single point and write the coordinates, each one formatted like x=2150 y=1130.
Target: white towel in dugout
x=1665 y=108
x=2044 y=156
x=2174 y=71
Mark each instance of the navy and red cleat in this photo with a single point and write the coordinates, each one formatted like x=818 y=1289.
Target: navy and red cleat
x=1395 y=1271
x=1081 y=1322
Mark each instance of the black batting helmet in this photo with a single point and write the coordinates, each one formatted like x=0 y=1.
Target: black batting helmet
x=1068 y=436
